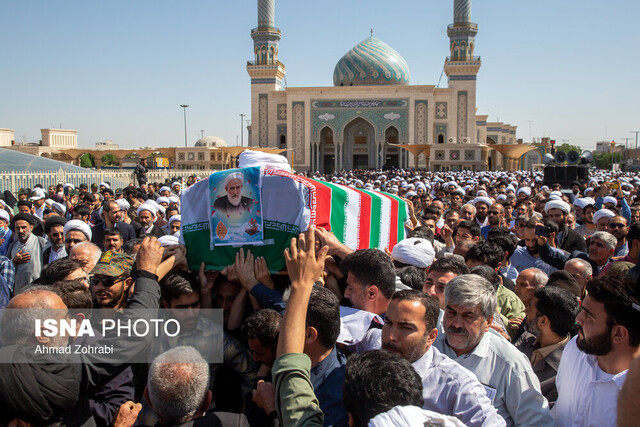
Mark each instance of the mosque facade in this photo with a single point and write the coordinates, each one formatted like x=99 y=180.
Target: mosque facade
x=373 y=117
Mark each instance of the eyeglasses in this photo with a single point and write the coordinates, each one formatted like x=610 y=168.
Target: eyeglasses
x=494 y=213
x=57 y=234
x=74 y=241
x=616 y=225
x=107 y=282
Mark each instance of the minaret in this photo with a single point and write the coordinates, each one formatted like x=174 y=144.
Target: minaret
x=265 y=70
x=462 y=68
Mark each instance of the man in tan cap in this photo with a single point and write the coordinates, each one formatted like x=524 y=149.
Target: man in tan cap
x=111 y=280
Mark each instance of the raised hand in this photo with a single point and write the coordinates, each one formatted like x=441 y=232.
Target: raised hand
x=303 y=264
x=262 y=272
x=244 y=268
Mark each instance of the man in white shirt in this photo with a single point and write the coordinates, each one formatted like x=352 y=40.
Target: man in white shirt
x=594 y=363
x=448 y=388
x=509 y=380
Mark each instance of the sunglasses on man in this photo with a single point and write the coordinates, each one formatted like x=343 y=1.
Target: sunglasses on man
x=107 y=282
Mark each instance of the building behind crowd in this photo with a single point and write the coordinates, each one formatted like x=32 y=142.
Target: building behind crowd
x=372 y=110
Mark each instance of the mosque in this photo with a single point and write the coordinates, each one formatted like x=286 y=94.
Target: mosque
x=373 y=117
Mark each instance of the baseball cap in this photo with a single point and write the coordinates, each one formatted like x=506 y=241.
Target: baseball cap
x=83 y=186
x=23 y=191
x=113 y=264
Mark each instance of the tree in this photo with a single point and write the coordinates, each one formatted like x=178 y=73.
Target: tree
x=109 y=160
x=87 y=160
x=602 y=160
x=568 y=147
x=132 y=155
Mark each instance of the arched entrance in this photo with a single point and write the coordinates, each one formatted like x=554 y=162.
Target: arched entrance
x=393 y=153
x=327 y=151
x=359 y=145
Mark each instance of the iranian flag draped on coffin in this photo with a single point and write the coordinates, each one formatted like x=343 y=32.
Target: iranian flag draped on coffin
x=277 y=207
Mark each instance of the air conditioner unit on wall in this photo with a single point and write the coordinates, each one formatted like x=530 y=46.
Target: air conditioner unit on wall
x=465 y=140
x=451 y=140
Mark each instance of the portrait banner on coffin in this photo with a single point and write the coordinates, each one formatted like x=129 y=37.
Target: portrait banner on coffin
x=235 y=208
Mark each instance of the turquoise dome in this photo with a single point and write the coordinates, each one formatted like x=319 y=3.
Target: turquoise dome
x=371 y=62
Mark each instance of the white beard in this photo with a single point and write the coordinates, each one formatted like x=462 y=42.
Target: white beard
x=235 y=201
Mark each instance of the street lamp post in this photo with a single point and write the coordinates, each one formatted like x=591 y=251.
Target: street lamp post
x=241 y=130
x=184 y=109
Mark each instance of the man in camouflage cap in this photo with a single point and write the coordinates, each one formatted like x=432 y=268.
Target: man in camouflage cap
x=111 y=280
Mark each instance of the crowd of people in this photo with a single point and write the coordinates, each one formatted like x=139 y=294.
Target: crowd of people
x=509 y=302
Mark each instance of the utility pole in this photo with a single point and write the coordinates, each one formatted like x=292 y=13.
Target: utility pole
x=241 y=130
x=626 y=152
x=184 y=108
x=635 y=156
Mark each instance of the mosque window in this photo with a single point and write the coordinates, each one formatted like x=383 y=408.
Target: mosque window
x=283 y=141
x=180 y=156
x=361 y=139
x=200 y=156
x=441 y=139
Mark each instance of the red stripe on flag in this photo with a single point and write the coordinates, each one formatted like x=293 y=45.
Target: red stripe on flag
x=364 y=232
x=393 y=223
x=323 y=203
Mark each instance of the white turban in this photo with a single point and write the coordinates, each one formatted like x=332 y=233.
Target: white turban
x=582 y=202
x=77 y=225
x=158 y=206
x=175 y=218
x=525 y=190
x=168 y=240
x=174 y=183
x=147 y=207
x=59 y=207
x=482 y=199
x=123 y=204
x=610 y=199
x=557 y=204
x=164 y=188
x=68 y=185
x=174 y=199
x=501 y=197
x=233 y=176
x=414 y=251
x=105 y=185
x=162 y=200
x=482 y=193
x=602 y=213
x=588 y=190
x=5 y=215
x=250 y=158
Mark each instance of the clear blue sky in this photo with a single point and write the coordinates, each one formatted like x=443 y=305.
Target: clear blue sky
x=119 y=69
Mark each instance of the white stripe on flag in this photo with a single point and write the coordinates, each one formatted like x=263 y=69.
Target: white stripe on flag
x=352 y=218
x=385 y=222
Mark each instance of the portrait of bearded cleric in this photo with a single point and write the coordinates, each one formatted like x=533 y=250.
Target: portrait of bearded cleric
x=233 y=204
x=235 y=211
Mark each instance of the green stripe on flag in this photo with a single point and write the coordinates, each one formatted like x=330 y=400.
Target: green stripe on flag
x=339 y=201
